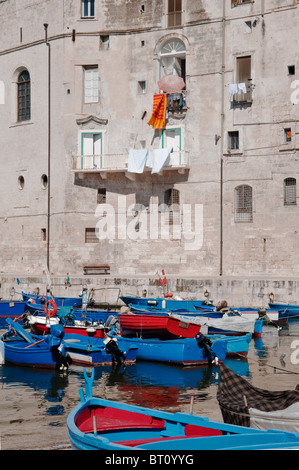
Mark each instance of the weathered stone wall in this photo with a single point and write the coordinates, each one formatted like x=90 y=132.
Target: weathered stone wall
x=240 y=292
x=263 y=249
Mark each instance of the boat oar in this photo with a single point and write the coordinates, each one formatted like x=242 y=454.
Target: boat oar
x=33 y=344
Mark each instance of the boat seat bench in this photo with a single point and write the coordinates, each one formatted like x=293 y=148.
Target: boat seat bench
x=190 y=431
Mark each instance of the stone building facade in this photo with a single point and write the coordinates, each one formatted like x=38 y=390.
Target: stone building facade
x=78 y=184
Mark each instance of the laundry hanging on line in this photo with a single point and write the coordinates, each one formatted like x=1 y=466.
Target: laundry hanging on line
x=155 y=159
x=237 y=88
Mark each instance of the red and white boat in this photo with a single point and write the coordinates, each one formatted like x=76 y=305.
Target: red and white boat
x=41 y=325
x=156 y=326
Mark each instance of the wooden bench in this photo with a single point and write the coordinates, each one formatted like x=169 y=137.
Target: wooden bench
x=96 y=269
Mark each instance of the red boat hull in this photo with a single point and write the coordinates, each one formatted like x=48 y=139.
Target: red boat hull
x=40 y=329
x=155 y=326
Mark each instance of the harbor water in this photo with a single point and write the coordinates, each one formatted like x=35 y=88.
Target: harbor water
x=34 y=404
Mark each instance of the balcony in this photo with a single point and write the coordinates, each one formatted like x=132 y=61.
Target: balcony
x=109 y=164
x=176 y=102
x=241 y=94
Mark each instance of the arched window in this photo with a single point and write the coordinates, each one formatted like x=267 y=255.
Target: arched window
x=243 y=203
x=172 y=58
x=289 y=191
x=172 y=201
x=24 y=96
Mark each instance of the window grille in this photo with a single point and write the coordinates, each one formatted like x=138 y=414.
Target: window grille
x=24 y=96
x=289 y=191
x=243 y=203
x=172 y=201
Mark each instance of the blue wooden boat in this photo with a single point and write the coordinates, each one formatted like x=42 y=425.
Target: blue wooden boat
x=159 y=303
x=161 y=325
x=193 y=307
x=60 y=301
x=19 y=347
x=10 y=309
x=209 y=313
x=201 y=350
x=40 y=308
x=293 y=309
x=84 y=350
x=98 y=424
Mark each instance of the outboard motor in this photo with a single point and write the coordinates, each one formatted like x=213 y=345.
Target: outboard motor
x=206 y=343
x=56 y=344
x=112 y=348
x=112 y=322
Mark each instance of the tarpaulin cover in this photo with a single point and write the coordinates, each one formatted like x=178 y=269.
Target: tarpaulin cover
x=235 y=408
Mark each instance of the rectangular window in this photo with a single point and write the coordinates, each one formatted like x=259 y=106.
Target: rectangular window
x=87 y=8
x=243 y=204
x=243 y=79
x=104 y=42
x=101 y=196
x=233 y=140
x=91 y=84
x=234 y=3
x=90 y=235
x=288 y=135
x=174 y=13
x=142 y=87
x=172 y=202
x=291 y=69
x=44 y=234
x=290 y=191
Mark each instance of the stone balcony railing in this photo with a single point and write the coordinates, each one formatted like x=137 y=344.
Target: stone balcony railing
x=118 y=163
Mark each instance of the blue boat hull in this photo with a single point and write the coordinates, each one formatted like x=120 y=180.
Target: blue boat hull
x=293 y=310
x=10 y=309
x=38 y=356
x=157 y=303
x=60 y=301
x=195 y=307
x=85 y=350
x=184 y=352
x=19 y=347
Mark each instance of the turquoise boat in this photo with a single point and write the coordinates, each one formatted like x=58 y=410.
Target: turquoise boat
x=98 y=424
x=19 y=347
x=200 y=350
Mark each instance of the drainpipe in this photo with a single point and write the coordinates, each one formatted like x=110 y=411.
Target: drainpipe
x=49 y=143
x=222 y=139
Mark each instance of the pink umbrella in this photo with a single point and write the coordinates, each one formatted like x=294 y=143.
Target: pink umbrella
x=171 y=83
